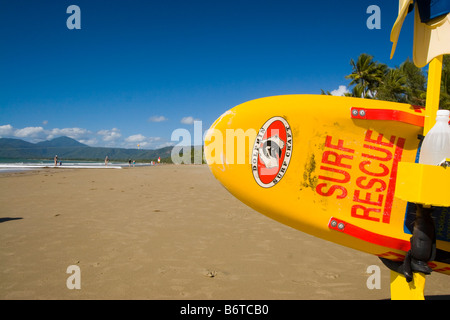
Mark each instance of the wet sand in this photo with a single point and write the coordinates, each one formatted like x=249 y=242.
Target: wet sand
x=164 y=232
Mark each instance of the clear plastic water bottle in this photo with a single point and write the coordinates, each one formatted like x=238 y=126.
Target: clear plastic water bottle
x=436 y=145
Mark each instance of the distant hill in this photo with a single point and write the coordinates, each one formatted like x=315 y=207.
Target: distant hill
x=60 y=142
x=16 y=148
x=70 y=149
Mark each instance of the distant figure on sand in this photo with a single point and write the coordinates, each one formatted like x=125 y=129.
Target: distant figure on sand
x=56 y=160
x=129 y=162
x=106 y=161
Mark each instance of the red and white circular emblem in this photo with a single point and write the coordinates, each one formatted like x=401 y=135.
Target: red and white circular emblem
x=272 y=152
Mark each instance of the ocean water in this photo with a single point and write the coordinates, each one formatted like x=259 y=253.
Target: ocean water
x=18 y=165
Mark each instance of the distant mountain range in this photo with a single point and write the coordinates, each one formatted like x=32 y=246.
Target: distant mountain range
x=70 y=149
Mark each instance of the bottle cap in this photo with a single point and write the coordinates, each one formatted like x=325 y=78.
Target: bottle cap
x=443 y=113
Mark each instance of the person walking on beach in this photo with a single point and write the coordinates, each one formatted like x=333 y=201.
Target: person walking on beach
x=56 y=160
x=106 y=161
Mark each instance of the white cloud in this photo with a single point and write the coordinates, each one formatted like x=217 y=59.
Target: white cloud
x=74 y=133
x=340 y=91
x=45 y=122
x=157 y=119
x=165 y=144
x=89 y=141
x=143 y=141
x=135 y=138
x=144 y=145
x=188 y=120
x=30 y=133
x=36 y=134
x=6 y=130
x=110 y=135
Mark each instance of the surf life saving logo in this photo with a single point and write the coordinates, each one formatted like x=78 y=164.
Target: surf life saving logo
x=272 y=152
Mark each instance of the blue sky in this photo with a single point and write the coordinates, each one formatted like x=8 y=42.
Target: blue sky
x=139 y=69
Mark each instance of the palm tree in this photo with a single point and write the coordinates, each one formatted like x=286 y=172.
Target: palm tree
x=393 y=86
x=357 y=91
x=444 y=102
x=366 y=75
x=415 y=83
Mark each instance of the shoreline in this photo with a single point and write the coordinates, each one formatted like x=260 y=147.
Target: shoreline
x=13 y=167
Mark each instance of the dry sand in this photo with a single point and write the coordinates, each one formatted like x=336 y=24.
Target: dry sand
x=164 y=232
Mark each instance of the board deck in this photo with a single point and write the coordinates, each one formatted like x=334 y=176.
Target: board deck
x=326 y=166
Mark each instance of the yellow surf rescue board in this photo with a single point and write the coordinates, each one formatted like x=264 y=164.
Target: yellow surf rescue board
x=326 y=166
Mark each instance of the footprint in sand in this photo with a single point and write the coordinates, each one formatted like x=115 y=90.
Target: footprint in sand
x=327 y=275
x=211 y=273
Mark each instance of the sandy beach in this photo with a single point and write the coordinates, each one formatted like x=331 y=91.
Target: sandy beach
x=164 y=232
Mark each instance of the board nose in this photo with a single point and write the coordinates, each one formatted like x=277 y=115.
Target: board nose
x=228 y=146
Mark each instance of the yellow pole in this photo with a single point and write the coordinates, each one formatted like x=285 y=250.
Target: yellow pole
x=433 y=92
x=414 y=290
x=402 y=290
